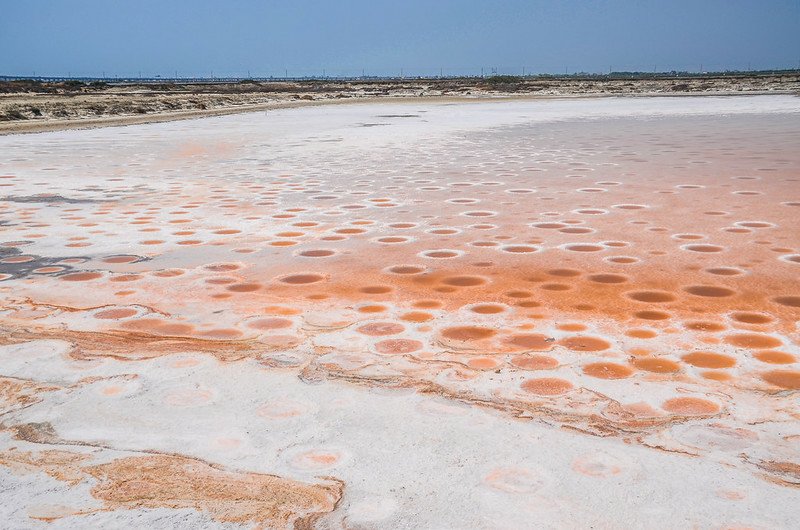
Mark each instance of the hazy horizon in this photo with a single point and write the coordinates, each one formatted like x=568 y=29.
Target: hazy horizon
x=311 y=38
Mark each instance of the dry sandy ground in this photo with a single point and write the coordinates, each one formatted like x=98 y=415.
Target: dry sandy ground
x=565 y=313
x=27 y=107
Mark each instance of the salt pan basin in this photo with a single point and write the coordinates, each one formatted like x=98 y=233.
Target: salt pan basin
x=498 y=314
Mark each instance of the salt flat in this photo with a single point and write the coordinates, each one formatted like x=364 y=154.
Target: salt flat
x=508 y=314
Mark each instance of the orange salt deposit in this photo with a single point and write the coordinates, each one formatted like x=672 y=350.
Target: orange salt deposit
x=690 y=405
x=534 y=362
x=546 y=386
x=657 y=365
x=607 y=370
x=709 y=360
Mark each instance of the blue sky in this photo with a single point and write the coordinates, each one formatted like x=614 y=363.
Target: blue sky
x=305 y=37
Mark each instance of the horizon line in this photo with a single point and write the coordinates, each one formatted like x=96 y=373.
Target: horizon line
x=622 y=74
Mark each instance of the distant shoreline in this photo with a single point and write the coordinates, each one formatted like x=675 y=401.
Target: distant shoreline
x=45 y=107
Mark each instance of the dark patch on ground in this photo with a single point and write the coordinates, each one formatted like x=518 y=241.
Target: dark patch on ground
x=15 y=271
x=46 y=199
